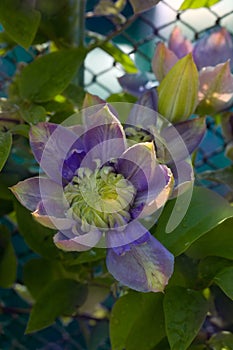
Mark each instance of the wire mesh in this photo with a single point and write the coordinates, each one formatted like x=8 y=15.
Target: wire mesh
x=138 y=41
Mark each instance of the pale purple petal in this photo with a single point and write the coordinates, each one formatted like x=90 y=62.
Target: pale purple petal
x=213 y=49
x=103 y=143
x=216 y=88
x=146 y=267
x=120 y=238
x=144 y=112
x=160 y=186
x=191 y=131
x=163 y=60
x=31 y=191
x=51 y=145
x=136 y=84
x=179 y=44
x=51 y=213
x=99 y=115
x=137 y=164
x=67 y=241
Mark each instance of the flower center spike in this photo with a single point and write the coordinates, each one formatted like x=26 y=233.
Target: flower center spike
x=100 y=198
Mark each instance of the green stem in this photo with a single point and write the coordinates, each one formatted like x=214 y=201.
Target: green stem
x=79 y=37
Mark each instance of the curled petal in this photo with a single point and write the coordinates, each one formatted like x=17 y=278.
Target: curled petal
x=67 y=241
x=51 y=213
x=160 y=186
x=137 y=164
x=183 y=138
x=136 y=84
x=216 y=88
x=146 y=267
x=177 y=43
x=213 y=49
x=163 y=60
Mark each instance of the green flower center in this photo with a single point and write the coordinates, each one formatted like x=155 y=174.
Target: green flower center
x=99 y=198
x=136 y=134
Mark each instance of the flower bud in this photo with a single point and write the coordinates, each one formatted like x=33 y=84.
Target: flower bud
x=178 y=91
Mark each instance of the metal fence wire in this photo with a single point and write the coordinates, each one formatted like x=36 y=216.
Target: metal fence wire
x=137 y=39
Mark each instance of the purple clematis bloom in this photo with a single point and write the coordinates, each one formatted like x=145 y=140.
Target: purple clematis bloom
x=213 y=48
x=212 y=53
x=96 y=190
x=174 y=143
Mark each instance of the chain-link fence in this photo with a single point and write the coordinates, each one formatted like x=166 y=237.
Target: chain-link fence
x=137 y=39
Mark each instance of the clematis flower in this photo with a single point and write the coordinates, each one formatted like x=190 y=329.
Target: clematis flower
x=174 y=143
x=179 y=44
x=96 y=190
x=210 y=53
x=137 y=84
x=213 y=48
x=216 y=88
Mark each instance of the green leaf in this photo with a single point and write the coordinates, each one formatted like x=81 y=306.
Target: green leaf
x=224 y=280
x=38 y=237
x=61 y=298
x=127 y=326
x=49 y=75
x=206 y=210
x=6 y=207
x=119 y=57
x=20 y=21
x=34 y=114
x=121 y=97
x=76 y=258
x=194 y=4
x=223 y=176
x=22 y=130
x=185 y=311
x=221 y=341
x=209 y=267
x=38 y=273
x=217 y=242
x=140 y=6
x=8 y=263
x=179 y=85
x=5 y=147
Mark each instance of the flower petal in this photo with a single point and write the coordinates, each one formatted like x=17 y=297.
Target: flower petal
x=213 y=49
x=31 y=191
x=163 y=60
x=216 y=88
x=190 y=132
x=147 y=267
x=144 y=112
x=137 y=164
x=177 y=43
x=160 y=186
x=103 y=144
x=122 y=238
x=71 y=242
x=51 y=145
x=51 y=213
x=136 y=84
